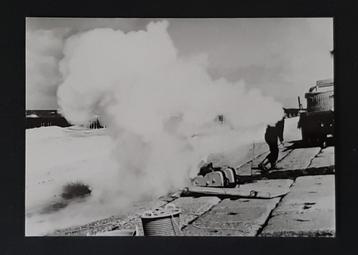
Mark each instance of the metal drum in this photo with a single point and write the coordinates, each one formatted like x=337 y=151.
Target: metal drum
x=319 y=101
x=162 y=222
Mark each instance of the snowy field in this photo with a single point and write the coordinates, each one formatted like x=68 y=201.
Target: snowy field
x=57 y=156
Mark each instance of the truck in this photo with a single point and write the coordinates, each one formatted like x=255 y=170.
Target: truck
x=317 y=120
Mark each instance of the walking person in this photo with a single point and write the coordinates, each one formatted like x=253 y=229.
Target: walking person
x=272 y=135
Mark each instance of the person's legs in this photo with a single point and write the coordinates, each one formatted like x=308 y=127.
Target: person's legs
x=273 y=155
x=266 y=160
x=263 y=164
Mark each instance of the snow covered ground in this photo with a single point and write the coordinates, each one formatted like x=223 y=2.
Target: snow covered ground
x=57 y=156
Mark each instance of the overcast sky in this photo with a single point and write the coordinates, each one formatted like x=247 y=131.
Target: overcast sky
x=281 y=56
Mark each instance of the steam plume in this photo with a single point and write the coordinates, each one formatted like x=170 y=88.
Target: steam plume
x=43 y=51
x=159 y=108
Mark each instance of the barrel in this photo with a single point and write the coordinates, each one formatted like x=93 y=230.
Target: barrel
x=319 y=101
x=161 y=222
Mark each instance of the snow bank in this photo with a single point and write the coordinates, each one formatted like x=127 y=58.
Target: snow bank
x=56 y=156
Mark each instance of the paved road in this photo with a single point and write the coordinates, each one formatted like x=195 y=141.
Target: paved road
x=305 y=208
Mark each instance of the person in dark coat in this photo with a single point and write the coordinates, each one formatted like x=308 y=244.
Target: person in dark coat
x=272 y=135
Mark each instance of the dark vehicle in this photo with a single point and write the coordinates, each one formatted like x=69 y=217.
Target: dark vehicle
x=317 y=121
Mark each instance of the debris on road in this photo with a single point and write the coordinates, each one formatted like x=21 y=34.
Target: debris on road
x=257 y=189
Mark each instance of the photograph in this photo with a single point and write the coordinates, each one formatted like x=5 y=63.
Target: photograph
x=179 y=127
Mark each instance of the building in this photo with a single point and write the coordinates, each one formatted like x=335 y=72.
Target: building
x=44 y=118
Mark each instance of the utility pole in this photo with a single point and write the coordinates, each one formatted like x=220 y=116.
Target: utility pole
x=332 y=55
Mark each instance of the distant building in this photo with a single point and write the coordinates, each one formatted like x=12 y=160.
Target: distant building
x=44 y=118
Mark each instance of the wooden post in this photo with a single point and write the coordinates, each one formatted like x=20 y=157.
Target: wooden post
x=253 y=155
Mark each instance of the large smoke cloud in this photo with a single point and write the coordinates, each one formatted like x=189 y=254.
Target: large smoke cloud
x=281 y=57
x=43 y=51
x=159 y=108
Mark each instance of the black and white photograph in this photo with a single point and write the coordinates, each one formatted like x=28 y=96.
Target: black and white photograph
x=180 y=127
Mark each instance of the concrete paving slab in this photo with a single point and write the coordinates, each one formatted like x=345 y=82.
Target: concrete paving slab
x=297 y=163
x=309 y=224
x=193 y=207
x=307 y=210
x=233 y=217
x=275 y=188
x=299 y=158
x=324 y=159
x=245 y=169
x=311 y=189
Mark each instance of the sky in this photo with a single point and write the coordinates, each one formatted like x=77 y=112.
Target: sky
x=282 y=57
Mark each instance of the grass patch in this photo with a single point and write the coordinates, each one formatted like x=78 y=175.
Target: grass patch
x=75 y=190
